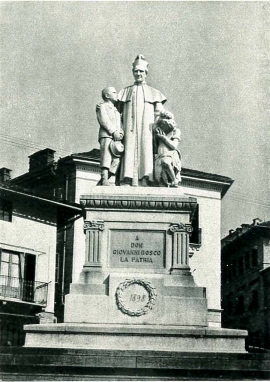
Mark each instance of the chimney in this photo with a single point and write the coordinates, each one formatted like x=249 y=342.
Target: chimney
x=256 y=221
x=245 y=227
x=239 y=230
x=40 y=159
x=5 y=174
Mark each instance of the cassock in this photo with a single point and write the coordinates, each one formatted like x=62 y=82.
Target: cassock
x=138 y=104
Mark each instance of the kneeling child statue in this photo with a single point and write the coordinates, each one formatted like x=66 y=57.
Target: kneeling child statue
x=168 y=157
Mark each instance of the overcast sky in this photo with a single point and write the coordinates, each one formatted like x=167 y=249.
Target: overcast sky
x=210 y=59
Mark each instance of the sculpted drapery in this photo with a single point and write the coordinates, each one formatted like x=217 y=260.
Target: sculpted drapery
x=139 y=104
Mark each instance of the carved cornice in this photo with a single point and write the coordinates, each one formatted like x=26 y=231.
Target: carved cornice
x=94 y=225
x=151 y=203
x=203 y=184
x=88 y=168
x=180 y=227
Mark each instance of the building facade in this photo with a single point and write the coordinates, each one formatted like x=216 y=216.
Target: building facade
x=28 y=232
x=245 y=262
x=73 y=176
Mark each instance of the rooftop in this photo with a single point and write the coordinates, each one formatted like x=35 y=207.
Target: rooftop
x=189 y=176
x=65 y=210
x=94 y=155
x=246 y=232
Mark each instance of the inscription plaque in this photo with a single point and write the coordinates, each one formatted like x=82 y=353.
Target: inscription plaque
x=137 y=249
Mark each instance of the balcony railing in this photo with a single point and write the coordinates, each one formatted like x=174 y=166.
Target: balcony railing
x=24 y=290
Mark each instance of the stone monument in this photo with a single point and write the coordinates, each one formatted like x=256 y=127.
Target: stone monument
x=110 y=136
x=136 y=290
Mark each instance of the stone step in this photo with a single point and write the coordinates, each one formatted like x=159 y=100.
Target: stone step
x=84 y=364
x=135 y=337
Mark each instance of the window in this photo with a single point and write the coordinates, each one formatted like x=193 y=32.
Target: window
x=10 y=264
x=5 y=210
x=225 y=273
x=10 y=274
x=254 y=256
x=241 y=265
x=247 y=263
x=29 y=277
x=17 y=275
x=195 y=237
x=240 y=305
x=229 y=307
x=254 y=304
x=57 y=269
x=229 y=304
x=230 y=273
x=234 y=268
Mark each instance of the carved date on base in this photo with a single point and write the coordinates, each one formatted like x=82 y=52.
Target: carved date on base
x=135 y=297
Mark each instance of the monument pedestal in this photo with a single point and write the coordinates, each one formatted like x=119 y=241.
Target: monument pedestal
x=136 y=290
x=115 y=302
x=136 y=267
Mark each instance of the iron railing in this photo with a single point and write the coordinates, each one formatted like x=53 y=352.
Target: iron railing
x=24 y=290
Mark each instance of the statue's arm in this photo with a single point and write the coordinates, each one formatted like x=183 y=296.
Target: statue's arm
x=119 y=106
x=171 y=142
x=177 y=135
x=158 y=109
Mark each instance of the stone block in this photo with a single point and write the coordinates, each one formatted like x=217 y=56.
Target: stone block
x=135 y=337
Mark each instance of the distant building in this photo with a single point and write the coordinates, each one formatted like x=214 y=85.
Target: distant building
x=28 y=232
x=245 y=263
x=74 y=175
x=63 y=181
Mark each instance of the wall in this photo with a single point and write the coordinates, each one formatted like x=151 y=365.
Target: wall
x=84 y=181
x=205 y=263
x=27 y=234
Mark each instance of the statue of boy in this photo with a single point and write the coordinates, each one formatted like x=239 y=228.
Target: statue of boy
x=110 y=136
x=168 y=158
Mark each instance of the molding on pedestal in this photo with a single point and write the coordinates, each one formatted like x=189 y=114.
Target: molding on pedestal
x=94 y=224
x=139 y=202
x=180 y=227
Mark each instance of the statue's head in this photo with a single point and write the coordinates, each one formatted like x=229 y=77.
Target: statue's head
x=109 y=94
x=166 y=122
x=167 y=125
x=140 y=69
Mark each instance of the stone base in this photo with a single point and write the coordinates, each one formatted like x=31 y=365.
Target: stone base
x=50 y=364
x=214 y=318
x=46 y=318
x=175 y=304
x=139 y=337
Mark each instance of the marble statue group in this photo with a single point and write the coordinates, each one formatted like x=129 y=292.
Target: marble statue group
x=138 y=137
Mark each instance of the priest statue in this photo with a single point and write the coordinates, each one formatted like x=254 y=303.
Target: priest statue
x=139 y=105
